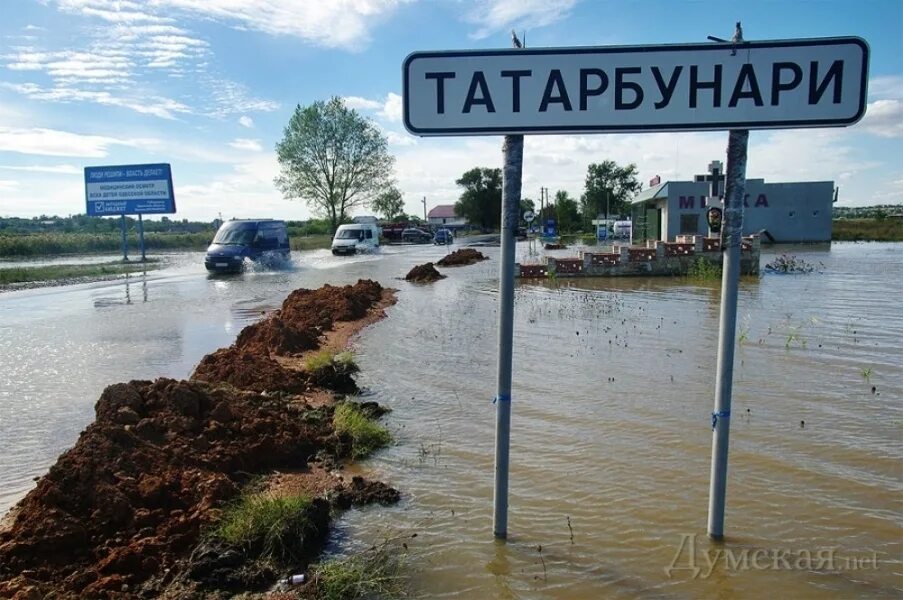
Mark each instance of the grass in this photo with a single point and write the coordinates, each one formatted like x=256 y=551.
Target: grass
x=374 y=573
x=330 y=362
x=57 y=272
x=875 y=230
x=273 y=526
x=366 y=434
x=53 y=244
x=704 y=269
x=311 y=242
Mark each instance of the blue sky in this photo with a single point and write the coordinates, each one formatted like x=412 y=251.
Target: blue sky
x=208 y=86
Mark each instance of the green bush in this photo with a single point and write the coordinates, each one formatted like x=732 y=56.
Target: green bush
x=702 y=268
x=273 y=526
x=375 y=573
x=877 y=230
x=366 y=435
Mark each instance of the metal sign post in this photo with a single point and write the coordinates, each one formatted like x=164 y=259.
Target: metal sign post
x=735 y=86
x=125 y=239
x=141 y=237
x=730 y=279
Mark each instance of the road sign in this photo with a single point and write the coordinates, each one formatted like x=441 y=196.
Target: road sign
x=129 y=190
x=529 y=216
x=682 y=87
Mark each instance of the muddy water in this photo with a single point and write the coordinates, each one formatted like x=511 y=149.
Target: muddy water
x=611 y=427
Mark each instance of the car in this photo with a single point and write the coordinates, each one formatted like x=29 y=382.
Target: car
x=413 y=235
x=443 y=236
x=247 y=239
x=355 y=237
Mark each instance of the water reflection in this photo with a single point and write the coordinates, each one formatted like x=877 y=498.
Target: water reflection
x=611 y=420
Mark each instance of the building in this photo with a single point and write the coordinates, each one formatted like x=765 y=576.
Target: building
x=782 y=212
x=444 y=216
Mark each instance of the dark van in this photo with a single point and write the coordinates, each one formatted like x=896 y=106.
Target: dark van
x=252 y=239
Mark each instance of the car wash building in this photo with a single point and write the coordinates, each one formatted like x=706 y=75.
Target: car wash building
x=779 y=212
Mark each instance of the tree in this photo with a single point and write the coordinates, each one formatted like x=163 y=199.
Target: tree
x=481 y=201
x=333 y=158
x=390 y=203
x=609 y=189
x=567 y=212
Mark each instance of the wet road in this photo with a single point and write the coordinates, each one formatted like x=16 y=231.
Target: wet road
x=611 y=430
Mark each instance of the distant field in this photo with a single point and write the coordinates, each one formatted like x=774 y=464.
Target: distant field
x=63 y=272
x=874 y=230
x=55 y=244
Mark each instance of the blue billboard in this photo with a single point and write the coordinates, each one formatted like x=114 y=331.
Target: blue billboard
x=129 y=190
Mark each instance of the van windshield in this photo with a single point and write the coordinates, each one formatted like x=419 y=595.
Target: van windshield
x=349 y=234
x=237 y=234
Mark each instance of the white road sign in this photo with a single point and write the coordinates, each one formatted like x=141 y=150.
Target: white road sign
x=686 y=87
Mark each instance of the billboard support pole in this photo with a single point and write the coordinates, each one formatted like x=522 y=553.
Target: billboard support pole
x=141 y=237
x=125 y=243
x=732 y=231
x=512 y=173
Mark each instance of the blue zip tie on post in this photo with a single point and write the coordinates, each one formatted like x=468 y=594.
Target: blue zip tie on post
x=721 y=413
x=503 y=398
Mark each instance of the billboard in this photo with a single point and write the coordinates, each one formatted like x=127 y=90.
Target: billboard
x=129 y=190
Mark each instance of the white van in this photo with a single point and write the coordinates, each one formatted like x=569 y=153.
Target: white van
x=355 y=237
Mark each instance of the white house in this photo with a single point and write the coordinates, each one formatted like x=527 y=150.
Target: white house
x=444 y=216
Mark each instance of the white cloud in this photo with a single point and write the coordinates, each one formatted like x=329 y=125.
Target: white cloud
x=336 y=23
x=389 y=109
x=246 y=144
x=52 y=142
x=232 y=98
x=501 y=15
x=884 y=118
x=399 y=139
x=358 y=103
x=164 y=108
x=392 y=108
x=7 y=185
x=887 y=87
x=246 y=121
x=54 y=169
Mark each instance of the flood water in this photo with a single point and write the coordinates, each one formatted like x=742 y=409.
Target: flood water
x=611 y=425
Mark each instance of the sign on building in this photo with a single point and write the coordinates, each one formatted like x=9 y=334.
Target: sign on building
x=680 y=87
x=129 y=190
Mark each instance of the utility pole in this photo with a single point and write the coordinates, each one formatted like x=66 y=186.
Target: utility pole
x=732 y=231
x=512 y=173
x=424 y=210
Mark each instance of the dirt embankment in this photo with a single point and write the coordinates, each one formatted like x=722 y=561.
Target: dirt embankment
x=127 y=511
x=425 y=273
x=462 y=257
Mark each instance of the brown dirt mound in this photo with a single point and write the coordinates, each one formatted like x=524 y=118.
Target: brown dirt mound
x=363 y=491
x=248 y=369
x=275 y=335
x=144 y=478
x=424 y=274
x=122 y=512
x=462 y=257
x=323 y=306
